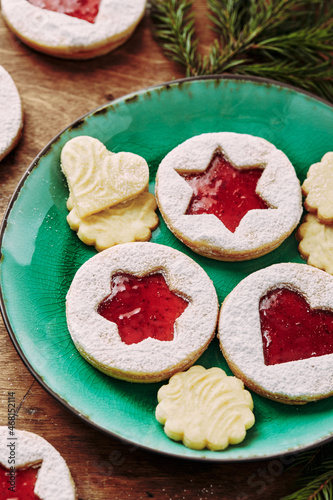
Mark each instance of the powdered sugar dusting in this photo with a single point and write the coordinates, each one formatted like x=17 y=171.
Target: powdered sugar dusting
x=241 y=341
x=54 y=481
x=260 y=230
x=10 y=112
x=115 y=19
x=98 y=340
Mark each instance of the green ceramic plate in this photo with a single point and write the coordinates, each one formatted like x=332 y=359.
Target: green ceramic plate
x=40 y=254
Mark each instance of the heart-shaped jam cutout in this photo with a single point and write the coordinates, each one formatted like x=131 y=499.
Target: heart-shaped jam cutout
x=142 y=307
x=82 y=9
x=224 y=191
x=291 y=330
x=19 y=485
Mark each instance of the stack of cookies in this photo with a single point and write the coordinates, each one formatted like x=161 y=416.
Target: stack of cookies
x=315 y=234
x=109 y=202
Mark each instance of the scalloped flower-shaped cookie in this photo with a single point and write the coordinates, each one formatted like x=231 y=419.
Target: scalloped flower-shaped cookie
x=205 y=408
x=99 y=179
x=316 y=243
x=318 y=189
x=130 y=221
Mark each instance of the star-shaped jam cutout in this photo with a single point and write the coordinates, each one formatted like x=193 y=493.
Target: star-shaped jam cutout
x=291 y=330
x=224 y=191
x=22 y=484
x=142 y=307
x=82 y=9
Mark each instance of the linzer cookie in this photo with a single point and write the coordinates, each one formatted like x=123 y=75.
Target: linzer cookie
x=318 y=189
x=229 y=196
x=141 y=311
x=205 y=409
x=71 y=28
x=39 y=471
x=11 y=114
x=276 y=332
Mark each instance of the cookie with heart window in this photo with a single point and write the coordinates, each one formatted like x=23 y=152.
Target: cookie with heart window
x=276 y=332
x=31 y=468
x=73 y=29
x=229 y=196
x=141 y=311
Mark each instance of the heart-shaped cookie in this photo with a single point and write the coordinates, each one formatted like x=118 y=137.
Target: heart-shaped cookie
x=244 y=336
x=99 y=179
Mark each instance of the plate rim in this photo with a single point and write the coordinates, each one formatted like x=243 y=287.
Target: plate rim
x=127 y=98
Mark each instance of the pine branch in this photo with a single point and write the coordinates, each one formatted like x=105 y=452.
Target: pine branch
x=175 y=29
x=287 y=40
x=315 y=78
x=316 y=481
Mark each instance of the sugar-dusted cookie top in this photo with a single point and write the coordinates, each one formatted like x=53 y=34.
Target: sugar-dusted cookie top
x=11 y=122
x=53 y=31
x=276 y=331
x=318 y=189
x=99 y=179
x=54 y=481
x=316 y=243
x=141 y=311
x=229 y=196
x=205 y=408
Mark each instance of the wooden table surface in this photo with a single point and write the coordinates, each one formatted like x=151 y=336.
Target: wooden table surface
x=54 y=93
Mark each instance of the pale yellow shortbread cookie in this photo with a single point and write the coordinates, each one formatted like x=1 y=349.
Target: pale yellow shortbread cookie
x=99 y=179
x=316 y=243
x=318 y=189
x=123 y=223
x=205 y=408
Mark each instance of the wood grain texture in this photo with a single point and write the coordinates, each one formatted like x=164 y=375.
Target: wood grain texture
x=55 y=93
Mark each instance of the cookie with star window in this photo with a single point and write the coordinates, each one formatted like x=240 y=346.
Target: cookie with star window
x=229 y=196
x=141 y=311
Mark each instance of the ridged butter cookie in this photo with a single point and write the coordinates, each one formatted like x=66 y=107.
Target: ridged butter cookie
x=318 y=189
x=205 y=409
x=316 y=243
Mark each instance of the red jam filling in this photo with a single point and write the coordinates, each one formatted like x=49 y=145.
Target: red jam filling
x=224 y=191
x=83 y=9
x=291 y=330
x=22 y=484
x=142 y=307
